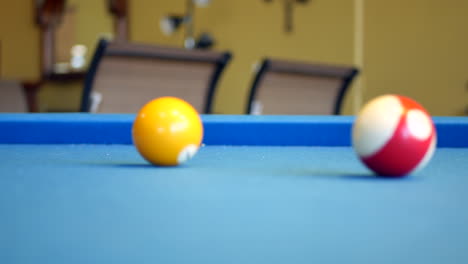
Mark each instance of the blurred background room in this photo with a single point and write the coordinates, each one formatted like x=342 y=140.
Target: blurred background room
x=416 y=48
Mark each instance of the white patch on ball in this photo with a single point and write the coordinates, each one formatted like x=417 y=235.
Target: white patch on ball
x=429 y=153
x=419 y=124
x=375 y=125
x=187 y=153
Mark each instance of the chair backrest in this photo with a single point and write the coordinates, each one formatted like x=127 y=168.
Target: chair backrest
x=123 y=77
x=12 y=97
x=297 y=88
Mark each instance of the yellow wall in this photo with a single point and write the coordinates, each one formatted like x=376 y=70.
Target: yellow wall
x=93 y=22
x=418 y=48
x=60 y=96
x=19 y=41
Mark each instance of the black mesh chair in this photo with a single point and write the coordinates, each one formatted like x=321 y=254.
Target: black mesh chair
x=123 y=76
x=297 y=88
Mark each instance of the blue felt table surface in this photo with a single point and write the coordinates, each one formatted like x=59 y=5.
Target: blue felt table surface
x=230 y=204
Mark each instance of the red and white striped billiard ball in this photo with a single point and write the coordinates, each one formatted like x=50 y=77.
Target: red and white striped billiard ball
x=394 y=136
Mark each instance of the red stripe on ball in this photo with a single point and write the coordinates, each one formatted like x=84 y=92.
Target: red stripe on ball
x=409 y=104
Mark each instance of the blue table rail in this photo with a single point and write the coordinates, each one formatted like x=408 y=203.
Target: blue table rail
x=219 y=129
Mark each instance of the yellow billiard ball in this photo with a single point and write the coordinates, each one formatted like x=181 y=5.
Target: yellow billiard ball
x=167 y=131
